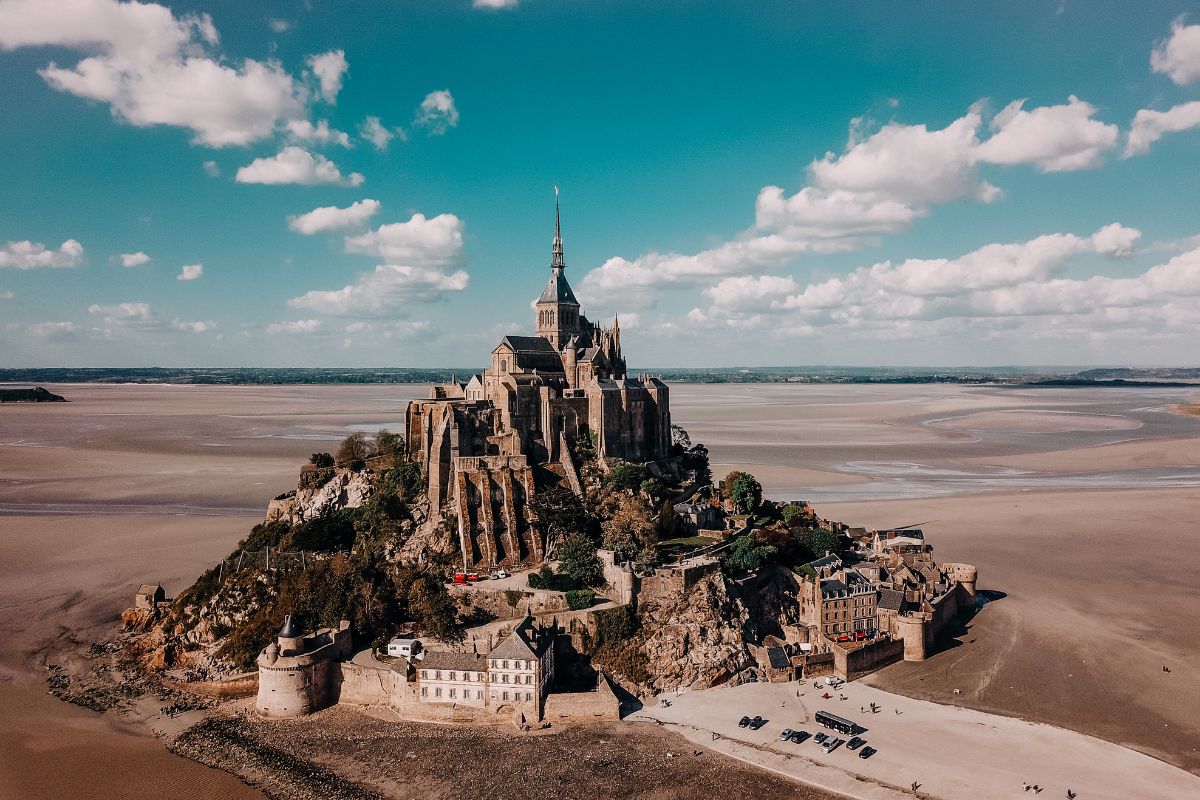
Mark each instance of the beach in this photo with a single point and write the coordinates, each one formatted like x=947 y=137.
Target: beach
x=1080 y=522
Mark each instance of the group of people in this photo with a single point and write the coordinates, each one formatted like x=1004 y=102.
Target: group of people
x=1033 y=787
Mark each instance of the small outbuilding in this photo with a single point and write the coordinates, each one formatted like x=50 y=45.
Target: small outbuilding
x=148 y=596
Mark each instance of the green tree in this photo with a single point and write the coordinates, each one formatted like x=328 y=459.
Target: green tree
x=744 y=491
x=353 y=451
x=321 y=459
x=389 y=444
x=626 y=477
x=819 y=541
x=797 y=515
x=579 y=599
x=749 y=553
x=668 y=525
x=513 y=598
x=577 y=560
x=560 y=512
x=431 y=605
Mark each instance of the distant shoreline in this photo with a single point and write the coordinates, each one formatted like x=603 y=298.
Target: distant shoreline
x=1180 y=377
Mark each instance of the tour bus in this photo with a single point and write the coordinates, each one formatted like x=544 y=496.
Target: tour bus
x=839 y=724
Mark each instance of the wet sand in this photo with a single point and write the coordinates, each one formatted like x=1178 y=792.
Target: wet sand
x=133 y=483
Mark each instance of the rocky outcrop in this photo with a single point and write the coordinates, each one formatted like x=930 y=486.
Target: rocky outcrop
x=697 y=641
x=320 y=492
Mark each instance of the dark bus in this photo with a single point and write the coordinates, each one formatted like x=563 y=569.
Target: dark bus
x=839 y=724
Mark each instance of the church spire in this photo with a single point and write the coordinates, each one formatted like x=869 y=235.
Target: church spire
x=556 y=260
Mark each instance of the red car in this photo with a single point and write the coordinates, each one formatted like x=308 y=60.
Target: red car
x=472 y=577
x=843 y=638
x=860 y=635
x=460 y=577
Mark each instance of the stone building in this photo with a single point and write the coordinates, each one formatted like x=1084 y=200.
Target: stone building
x=148 y=596
x=487 y=445
x=300 y=672
x=517 y=673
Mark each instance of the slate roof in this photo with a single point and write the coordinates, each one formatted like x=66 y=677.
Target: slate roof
x=149 y=588
x=778 y=658
x=558 y=290
x=528 y=344
x=462 y=662
x=518 y=644
x=890 y=599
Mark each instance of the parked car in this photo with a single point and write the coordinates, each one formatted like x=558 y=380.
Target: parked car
x=833 y=744
x=785 y=734
x=744 y=722
x=820 y=738
x=460 y=577
x=472 y=577
x=867 y=752
x=843 y=637
x=757 y=723
x=501 y=574
x=798 y=737
x=855 y=742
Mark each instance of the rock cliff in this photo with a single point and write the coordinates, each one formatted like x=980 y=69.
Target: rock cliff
x=321 y=491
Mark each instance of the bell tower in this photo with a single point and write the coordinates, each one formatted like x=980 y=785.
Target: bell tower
x=557 y=310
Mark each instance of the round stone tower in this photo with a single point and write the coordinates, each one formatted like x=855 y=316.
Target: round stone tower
x=965 y=574
x=912 y=632
x=291 y=638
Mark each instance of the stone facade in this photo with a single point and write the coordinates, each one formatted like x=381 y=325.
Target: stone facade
x=300 y=672
x=489 y=443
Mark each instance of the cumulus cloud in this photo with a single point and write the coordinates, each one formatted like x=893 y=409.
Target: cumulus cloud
x=422 y=241
x=381 y=292
x=280 y=25
x=212 y=169
x=295 y=326
x=153 y=68
x=141 y=317
x=329 y=68
x=35 y=255
x=190 y=272
x=304 y=131
x=6 y=294
x=374 y=131
x=419 y=255
x=1055 y=138
x=134 y=259
x=437 y=113
x=1149 y=126
x=55 y=331
x=295 y=165
x=495 y=4
x=332 y=218
x=1178 y=56
x=880 y=184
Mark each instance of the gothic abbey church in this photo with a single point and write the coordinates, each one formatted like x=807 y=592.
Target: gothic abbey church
x=489 y=444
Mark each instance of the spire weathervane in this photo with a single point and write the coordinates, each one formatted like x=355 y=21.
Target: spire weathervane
x=556 y=260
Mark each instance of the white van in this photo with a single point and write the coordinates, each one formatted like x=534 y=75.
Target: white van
x=405 y=648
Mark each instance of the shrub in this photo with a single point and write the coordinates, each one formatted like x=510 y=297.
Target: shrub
x=626 y=476
x=579 y=599
x=578 y=561
x=749 y=553
x=353 y=451
x=321 y=459
x=535 y=581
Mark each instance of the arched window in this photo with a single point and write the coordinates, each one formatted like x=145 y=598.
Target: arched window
x=503 y=365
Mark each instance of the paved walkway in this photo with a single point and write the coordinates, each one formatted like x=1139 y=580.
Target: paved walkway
x=951 y=752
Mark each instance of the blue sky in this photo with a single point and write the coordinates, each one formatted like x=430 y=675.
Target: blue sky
x=744 y=183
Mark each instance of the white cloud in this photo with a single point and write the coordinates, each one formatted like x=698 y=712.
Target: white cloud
x=190 y=272
x=419 y=254
x=390 y=330
x=495 y=4
x=383 y=291
x=909 y=164
x=1178 y=56
x=329 y=68
x=1055 y=138
x=154 y=68
x=134 y=259
x=295 y=165
x=437 y=113
x=141 y=317
x=6 y=294
x=1149 y=126
x=295 y=326
x=880 y=184
x=55 y=331
x=749 y=292
x=34 y=255
x=374 y=131
x=123 y=313
x=212 y=169
x=280 y=25
x=332 y=218
x=304 y=131
x=426 y=242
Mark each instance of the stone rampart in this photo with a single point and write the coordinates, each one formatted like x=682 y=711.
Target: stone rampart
x=852 y=664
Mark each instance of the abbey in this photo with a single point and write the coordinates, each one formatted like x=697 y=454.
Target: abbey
x=487 y=445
